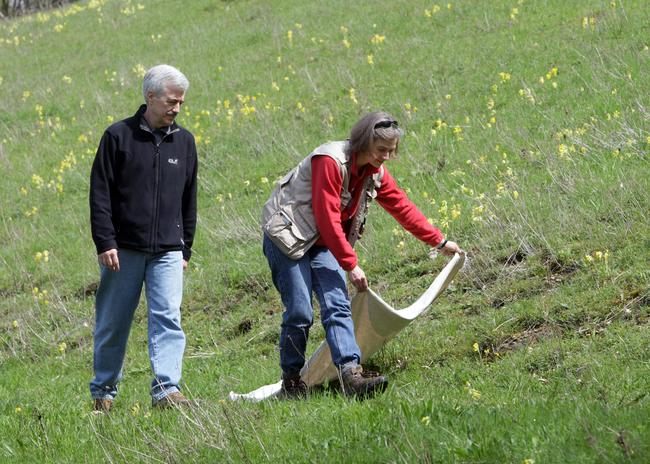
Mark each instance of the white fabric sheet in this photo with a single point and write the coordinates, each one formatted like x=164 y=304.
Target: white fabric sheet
x=375 y=322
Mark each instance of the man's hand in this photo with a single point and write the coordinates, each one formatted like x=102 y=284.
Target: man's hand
x=110 y=260
x=184 y=264
x=358 y=279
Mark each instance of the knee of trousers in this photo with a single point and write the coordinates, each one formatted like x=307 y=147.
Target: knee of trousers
x=336 y=313
x=298 y=316
x=297 y=322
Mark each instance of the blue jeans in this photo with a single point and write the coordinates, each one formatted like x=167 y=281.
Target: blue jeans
x=319 y=272
x=117 y=298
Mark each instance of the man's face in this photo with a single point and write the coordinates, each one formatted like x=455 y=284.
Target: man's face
x=162 y=109
x=380 y=150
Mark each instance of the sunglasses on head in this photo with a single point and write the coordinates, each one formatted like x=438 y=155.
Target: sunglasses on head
x=387 y=123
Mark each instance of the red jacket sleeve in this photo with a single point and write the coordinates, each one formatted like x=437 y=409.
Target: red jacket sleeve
x=326 y=183
x=397 y=204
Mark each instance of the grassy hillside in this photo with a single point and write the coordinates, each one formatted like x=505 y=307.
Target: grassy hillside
x=528 y=128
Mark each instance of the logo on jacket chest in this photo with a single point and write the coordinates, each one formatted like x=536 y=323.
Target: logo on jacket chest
x=172 y=161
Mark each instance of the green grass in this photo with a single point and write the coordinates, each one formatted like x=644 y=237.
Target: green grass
x=537 y=352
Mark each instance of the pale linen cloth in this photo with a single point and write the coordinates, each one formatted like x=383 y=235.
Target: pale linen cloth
x=375 y=322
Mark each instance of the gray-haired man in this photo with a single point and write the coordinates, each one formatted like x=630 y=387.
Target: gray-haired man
x=143 y=217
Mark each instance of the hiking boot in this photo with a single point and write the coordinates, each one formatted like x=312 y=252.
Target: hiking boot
x=356 y=382
x=102 y=404
x=293 y=387
x=173 y=400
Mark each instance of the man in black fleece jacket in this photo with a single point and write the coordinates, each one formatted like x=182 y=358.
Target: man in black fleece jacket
x=143 y=218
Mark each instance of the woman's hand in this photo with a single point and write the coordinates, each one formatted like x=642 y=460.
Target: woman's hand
x=450 y=248
x=358 y=279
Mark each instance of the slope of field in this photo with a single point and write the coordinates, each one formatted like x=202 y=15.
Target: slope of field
x=527 y=134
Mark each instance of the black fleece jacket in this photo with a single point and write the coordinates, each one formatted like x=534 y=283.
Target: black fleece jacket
x=143 y=194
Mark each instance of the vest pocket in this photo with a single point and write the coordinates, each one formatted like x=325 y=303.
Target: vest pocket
x=290 y=237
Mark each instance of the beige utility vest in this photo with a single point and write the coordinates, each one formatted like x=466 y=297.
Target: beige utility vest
x=288 y=218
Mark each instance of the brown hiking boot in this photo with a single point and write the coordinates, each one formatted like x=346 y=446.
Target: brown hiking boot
x=173 y=400
x=102 y=404
x=293 y=387
x=356 y=382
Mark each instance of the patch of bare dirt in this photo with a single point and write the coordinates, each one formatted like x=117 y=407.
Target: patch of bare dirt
x=525 y=338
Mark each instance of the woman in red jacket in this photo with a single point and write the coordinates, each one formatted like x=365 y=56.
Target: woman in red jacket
x=310 y=223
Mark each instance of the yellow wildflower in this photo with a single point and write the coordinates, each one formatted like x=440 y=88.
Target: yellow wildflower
x=455 y=212
x=477 y=212
x=467 y=190
x=377 y=39
x=352 y=94
x=139 y=70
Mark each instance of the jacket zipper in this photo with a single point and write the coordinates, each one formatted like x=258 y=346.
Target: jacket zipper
x=156 y=199
x=153 y=238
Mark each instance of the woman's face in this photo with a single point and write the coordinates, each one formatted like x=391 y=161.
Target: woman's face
x=380 y=150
